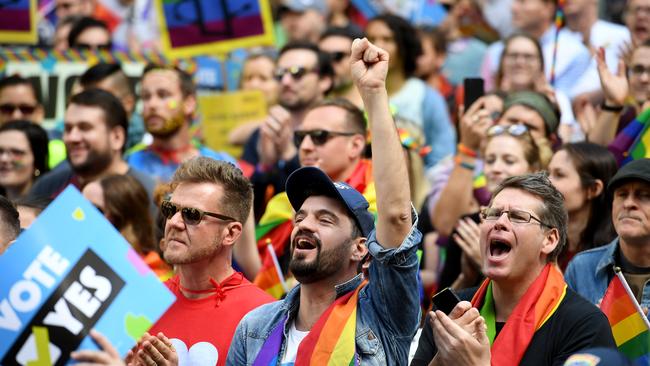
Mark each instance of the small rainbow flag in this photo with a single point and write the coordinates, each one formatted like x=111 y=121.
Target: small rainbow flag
x=629 y=325
x=633 y=142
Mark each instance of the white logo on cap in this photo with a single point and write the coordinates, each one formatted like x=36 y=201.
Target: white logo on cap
x=341 y=185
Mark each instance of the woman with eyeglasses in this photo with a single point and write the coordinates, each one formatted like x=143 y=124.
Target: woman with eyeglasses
x=125 y=203
x=521 y=68
x=581 y=172
x=23 y=157
x=509 y=151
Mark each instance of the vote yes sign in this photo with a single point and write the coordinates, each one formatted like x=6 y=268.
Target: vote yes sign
x=71 y=272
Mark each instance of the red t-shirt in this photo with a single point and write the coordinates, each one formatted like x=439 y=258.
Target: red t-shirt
x=201 y=330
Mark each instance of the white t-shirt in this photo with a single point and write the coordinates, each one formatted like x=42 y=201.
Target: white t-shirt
x=294 y=338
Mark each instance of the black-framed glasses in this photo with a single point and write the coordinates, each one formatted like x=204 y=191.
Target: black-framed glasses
x=296 y=72
x=515 y=216
x=318 y=137
x=191 y=215
x=338 y=56
x=9 y=108
x=512 y=130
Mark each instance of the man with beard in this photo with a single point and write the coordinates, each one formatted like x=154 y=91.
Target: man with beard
x=335 y=316
x=205 y=216
x=305 y=76
x=169 y=102
x=95 y=130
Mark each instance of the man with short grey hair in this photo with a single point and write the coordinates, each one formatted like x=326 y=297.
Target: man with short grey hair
x=523 y=313
x=590 y=272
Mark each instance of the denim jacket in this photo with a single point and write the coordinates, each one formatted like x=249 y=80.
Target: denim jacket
x=388 y=309
x=589 y=273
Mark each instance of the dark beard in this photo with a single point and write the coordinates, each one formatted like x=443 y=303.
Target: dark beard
x=325 y=265
x=95 y=164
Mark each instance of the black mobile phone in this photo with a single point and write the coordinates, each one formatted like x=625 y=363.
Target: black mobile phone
x=474 y=89
x=445 y=300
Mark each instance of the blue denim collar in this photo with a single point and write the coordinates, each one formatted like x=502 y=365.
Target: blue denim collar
x=607 y=261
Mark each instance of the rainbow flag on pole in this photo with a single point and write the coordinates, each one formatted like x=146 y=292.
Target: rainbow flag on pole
x=630 y=327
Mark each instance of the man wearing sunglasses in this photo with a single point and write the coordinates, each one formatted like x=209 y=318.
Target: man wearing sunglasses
x=523 y=313
x=204 y=218
x=19 y=100
x=337 y=41
x=332 y=138
x=374 y=321
x=305 y=76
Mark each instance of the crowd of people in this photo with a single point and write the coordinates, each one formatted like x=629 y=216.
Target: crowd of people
x=368 y=187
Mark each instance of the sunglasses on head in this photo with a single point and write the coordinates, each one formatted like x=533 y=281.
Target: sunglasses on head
x=338 y=56
x=512 y=130
x=296 y=72
x=318 y=137
x=190 y=215
x=9 y=108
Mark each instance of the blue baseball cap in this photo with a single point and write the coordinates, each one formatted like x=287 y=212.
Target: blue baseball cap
x=311 y=181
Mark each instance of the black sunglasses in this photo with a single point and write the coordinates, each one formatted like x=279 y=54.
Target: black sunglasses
x=338 y=56
x=318 y=137
x=191 y=215
x=296 y=72
x=9 y=108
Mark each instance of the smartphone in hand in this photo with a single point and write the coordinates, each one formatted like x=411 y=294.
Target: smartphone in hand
x=445 y=300
x=474 y=89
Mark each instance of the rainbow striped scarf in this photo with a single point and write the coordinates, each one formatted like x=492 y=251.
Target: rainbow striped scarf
x=538 y=304
x=629 y=324
x=331 y=341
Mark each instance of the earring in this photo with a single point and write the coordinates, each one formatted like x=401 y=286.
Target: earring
x=37 y=172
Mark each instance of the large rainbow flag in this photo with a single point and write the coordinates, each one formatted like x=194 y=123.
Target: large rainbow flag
x=629 y=325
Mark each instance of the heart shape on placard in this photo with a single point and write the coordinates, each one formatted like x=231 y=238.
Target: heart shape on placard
x=136 y=325
x=202 y=353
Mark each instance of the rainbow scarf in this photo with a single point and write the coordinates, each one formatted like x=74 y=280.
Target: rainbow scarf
x=629 y=326
x=276 y=225
x=633 y=142
x=331 y=341
x=538 y=304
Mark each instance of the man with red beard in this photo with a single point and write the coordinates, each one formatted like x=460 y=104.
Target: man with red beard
x=335 y=316
x=169 y=103
x=205 y=216
x=95 y=131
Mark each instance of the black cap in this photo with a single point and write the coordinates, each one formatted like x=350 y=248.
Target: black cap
x=311 y=181
x=635 y=170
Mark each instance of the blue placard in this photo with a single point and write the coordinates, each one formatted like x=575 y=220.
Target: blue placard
x=71 y=272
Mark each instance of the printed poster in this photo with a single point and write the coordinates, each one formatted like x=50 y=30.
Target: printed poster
x=18 y=21
x=71 y=272
x=199 y=27
x=222 y=112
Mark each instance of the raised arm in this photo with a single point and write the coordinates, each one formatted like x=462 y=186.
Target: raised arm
x=369 y=65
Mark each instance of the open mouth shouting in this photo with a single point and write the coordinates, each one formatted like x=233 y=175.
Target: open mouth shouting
x=305 y=243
